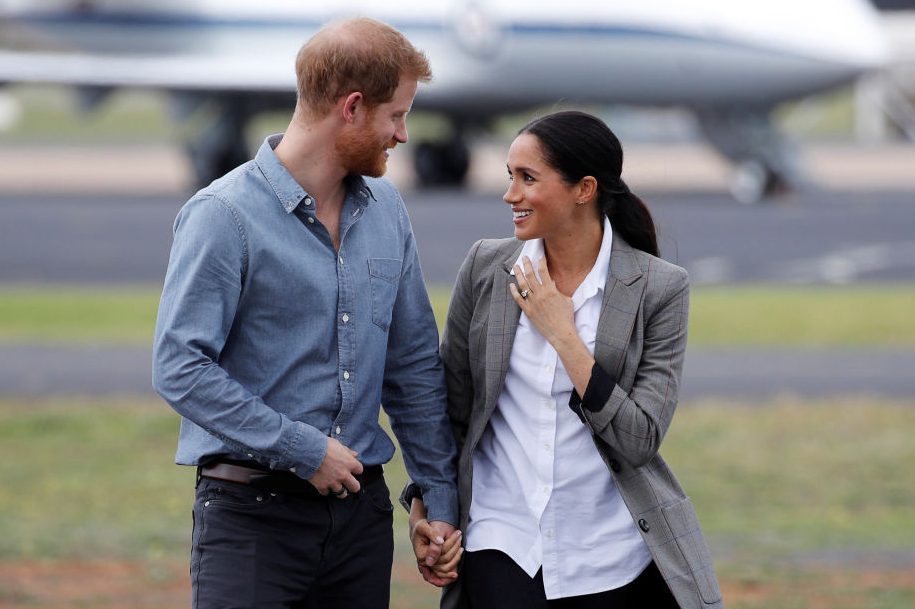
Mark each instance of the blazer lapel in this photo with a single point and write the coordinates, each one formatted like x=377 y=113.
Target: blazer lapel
x=504 y=314
x=619 y=309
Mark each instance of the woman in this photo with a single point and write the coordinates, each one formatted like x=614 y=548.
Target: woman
x=563 y=350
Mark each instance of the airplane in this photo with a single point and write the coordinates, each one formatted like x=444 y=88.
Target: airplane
x=730 y=63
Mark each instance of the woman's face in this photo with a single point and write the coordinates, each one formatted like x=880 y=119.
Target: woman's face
x=543 y=204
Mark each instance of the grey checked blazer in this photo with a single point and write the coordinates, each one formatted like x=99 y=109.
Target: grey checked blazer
x=641 y=339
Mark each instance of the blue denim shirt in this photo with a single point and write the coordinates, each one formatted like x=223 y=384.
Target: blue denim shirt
x=268 y=341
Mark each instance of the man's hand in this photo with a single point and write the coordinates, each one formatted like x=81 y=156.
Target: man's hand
x=437 y=546
x=437 y=555
x=337 y=471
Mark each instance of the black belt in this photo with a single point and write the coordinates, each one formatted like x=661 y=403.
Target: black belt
x=273 y=480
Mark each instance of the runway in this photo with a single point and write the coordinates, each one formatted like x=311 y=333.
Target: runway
x=724 y=373
x=817 y=236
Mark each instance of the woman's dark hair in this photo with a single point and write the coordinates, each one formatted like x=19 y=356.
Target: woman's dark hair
x=577 y=144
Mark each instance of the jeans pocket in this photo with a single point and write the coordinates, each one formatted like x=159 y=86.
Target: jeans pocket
x=384 y=277
x=378 y=494
x=221 y=493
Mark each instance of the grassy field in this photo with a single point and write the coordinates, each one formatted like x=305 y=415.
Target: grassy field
x=806 y=504
x=732 y=316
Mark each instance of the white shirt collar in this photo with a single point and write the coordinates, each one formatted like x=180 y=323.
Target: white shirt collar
x=596 y=278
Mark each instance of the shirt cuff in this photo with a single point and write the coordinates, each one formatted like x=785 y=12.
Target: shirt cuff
x=441 y=504
x=600 y=387
x=410 y=492
x=309 y=449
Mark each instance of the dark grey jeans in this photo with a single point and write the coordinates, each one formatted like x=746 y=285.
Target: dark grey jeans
x=253 y=548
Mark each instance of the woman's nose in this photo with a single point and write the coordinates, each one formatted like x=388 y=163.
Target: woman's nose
x=511 y=195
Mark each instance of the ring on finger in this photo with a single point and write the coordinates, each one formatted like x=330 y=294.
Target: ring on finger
x=525 y=292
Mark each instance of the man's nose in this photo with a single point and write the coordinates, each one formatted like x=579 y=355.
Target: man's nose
x=401 y=135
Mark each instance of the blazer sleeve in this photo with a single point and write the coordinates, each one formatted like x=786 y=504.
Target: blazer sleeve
x=455 y=349
x=633 y=423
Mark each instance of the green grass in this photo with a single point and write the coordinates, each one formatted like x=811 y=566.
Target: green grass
x=780 y=488
x=820 y=316
x=881 y=315
x=78 y=314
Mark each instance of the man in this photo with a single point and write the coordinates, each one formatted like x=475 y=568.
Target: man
x=293 y=307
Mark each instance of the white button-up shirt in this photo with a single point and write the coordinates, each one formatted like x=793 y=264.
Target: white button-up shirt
x=541 y=492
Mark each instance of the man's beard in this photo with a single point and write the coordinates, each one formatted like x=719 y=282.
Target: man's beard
x=362 y=154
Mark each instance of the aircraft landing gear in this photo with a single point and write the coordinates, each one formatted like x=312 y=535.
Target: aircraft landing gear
x=765 y=165
x=441 y=164
x=213 y=162
x=221 y=147
x=754 y=182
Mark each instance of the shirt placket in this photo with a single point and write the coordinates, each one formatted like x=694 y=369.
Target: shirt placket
x=346 y=325
x=547 y=449
x=543 y=419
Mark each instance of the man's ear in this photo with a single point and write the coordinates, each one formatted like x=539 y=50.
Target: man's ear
x=352 y=105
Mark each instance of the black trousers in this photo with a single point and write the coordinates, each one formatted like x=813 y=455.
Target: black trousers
x=492 y=580
x=257 y=549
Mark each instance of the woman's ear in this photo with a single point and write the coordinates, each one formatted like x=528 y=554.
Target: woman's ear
x=587 y=188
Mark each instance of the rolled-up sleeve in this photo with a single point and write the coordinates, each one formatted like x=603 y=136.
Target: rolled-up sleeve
x=634 y=422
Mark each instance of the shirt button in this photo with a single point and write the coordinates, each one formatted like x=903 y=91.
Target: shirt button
x=345 y=317
x=340 y=259
x=345 y=375
x=338 y=430
x=311 y=220
x=308 y=201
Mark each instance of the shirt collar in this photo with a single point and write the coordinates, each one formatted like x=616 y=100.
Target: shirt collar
x=289 y=192
x=594 y=281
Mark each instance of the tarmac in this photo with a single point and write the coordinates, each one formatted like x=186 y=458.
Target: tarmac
x=30 y=370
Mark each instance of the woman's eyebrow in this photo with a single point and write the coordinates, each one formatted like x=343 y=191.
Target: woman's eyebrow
x=522 y=169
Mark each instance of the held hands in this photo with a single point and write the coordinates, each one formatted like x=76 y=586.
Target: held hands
x=548 y=309
x=336 y=475
x=437 y=546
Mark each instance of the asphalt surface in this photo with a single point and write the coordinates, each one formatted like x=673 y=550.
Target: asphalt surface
x=31 y=370
x=812 y=237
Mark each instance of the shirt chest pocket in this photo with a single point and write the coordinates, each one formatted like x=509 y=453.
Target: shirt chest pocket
x=384 y=277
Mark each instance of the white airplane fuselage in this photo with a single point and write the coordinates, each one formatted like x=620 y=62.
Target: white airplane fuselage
x=494 y=54
x=729 y=62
